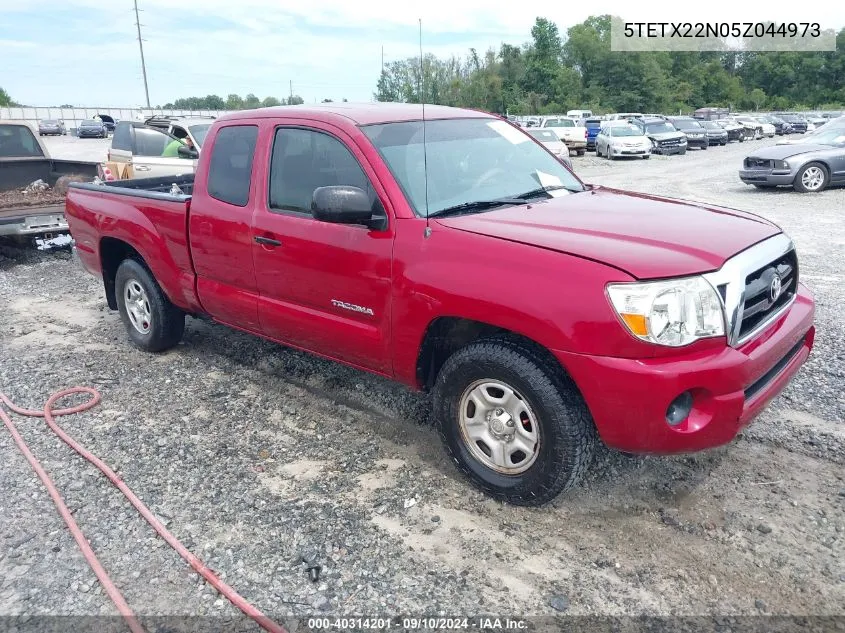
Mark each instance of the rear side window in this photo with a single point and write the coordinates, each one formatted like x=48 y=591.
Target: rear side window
x=150 y=142
x=230 y=168
x=18 y=140
x=122 y=138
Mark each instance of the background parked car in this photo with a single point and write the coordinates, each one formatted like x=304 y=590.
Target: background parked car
x=796 y=122
x=716 y=135
x=91 y=128
x=568 y=130
x=781 y=126
x=51 y=127
x=807 y=167
x=736 y=131
x=593 y=126
x=665 y=139
x=618 y=139
x=696 y=134
x=142 y=146
x=552 y=143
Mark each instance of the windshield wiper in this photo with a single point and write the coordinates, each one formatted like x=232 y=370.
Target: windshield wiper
x=541 y=190
x=477 y=205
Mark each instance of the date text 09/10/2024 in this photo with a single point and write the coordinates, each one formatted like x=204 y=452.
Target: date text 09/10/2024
x=417 y=624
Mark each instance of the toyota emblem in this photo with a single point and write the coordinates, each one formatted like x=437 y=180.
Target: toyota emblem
x=775 y=288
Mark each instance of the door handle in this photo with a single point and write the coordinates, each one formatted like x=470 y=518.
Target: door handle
x=268 y=241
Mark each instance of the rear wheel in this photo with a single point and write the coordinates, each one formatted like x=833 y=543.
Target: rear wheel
x=580 y=152
x=513 y=423
x=646 y=156
x=153 y=323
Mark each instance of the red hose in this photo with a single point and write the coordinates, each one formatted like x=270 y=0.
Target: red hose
x=110 y=588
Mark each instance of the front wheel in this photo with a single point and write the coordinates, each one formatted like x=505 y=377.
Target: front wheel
x=580 y=152
x=153 y=323
x=646 y=156
x=811 y=178
x=512 y=422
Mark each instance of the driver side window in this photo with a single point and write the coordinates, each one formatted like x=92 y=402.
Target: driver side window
x=304 y=160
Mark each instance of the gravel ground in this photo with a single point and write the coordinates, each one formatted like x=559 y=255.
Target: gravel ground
x=254 y=454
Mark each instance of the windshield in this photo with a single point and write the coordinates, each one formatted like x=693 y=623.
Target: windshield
x=835 y=137
x=710 y=125
x=545 y=135
x=559 y=123
x=91 y=123
x=466 y=160
x=624 y=130
x=199 y=132
x=659 y=128
x=688 y=124
x=49 y=122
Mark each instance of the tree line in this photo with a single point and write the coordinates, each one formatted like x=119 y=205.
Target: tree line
x=552 y=73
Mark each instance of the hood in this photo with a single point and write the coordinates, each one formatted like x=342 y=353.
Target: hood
x=782 y=152
x=645 y=236
x=662 y=136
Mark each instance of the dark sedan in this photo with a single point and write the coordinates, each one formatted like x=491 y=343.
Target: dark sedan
x=797 y=123
x=807 y=167
x=92 y=129
x=696 y=134
x=716 y=134
x=50 y=127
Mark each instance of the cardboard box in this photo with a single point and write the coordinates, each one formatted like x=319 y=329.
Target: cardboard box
x=118 y=171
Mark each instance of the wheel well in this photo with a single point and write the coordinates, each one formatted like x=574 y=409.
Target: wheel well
x=112 y=253
x=446 y=335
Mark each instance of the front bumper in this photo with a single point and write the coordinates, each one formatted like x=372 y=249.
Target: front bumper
x=698 y=142
x=630 y=151
x=766 y=176
x=628 y=398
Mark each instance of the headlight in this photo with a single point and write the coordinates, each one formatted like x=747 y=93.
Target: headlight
x=674 y=312
x=684 y=141
x=781 y=164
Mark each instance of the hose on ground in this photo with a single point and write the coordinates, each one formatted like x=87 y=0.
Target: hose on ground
x=49 y=414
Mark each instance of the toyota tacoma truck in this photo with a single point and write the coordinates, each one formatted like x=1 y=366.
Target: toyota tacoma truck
x=456 y=254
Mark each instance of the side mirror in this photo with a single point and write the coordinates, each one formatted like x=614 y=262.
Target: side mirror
x=343 y=204
x=187 y=152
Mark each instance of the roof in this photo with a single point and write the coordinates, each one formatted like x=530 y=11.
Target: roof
x=359 y=113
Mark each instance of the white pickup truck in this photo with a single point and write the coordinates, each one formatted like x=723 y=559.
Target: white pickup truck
x=568 y=131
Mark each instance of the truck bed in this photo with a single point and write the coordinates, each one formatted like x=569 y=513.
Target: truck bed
x=156 y=188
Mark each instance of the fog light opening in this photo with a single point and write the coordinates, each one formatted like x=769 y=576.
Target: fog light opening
x=679 y=409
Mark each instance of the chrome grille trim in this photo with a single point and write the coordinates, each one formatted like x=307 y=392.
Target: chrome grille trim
x=729 y=282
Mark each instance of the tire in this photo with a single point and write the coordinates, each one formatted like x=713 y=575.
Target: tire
x=804 y=177
x=157 y=324
x=647 y=156
x=580 y=152
x=547 y=402
x=742 y=138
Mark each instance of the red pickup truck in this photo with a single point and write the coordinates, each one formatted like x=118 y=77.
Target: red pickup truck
x=456 y=254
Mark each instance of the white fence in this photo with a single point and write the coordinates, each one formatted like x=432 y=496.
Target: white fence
x=73 y=116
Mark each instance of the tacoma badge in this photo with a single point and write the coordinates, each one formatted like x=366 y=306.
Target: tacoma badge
x=352 y=307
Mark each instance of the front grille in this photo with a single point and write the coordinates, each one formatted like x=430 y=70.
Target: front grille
x=675 y=142
x=758 y=304
x=758 y=163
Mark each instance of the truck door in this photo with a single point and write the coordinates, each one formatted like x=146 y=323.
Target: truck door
x=219 y=228
x=323 y=287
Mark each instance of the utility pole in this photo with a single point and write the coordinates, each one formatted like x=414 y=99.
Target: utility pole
x=291 y=92
x=141 y=47
x=382 y=60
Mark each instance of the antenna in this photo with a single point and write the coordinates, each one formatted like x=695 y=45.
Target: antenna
x=427 y=232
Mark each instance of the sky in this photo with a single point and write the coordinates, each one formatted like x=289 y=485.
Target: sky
x=85 y=52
